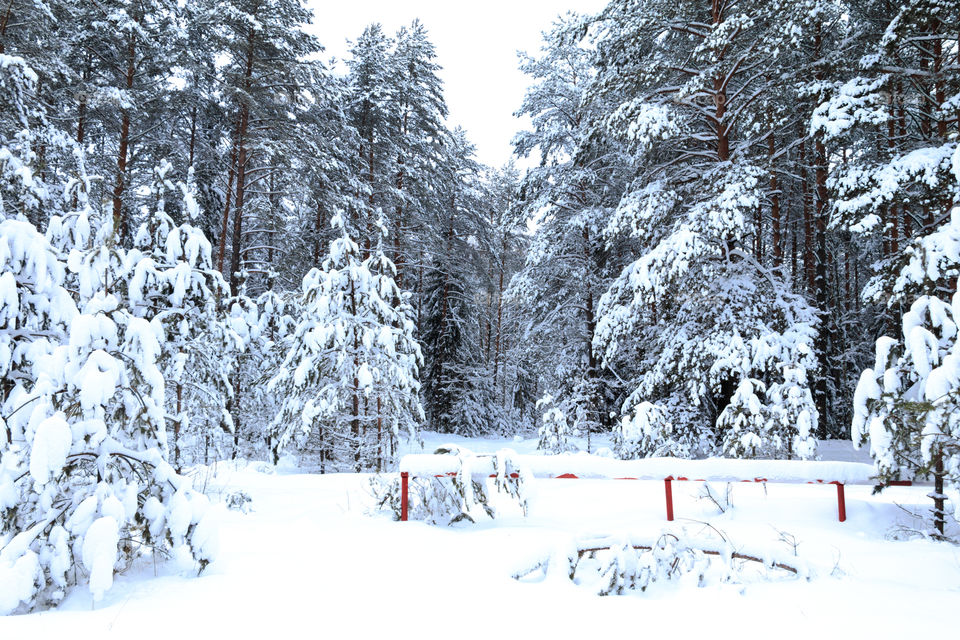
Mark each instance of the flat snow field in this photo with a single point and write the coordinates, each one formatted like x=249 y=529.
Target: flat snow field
x=311 y=561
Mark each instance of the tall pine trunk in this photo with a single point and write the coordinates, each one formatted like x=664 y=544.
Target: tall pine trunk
x=119 y=221
x=242 y=159
x=774 y=205
x=225 y=227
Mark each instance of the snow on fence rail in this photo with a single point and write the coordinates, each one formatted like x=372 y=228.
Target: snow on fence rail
x=666 y=469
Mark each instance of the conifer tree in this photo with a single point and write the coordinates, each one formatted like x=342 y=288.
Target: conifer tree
x=350 y=380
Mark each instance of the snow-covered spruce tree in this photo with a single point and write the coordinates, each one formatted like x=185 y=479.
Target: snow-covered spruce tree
x=84 y=478
x=792 y=416
x=456 y=397
x=744 y=421
x=696 y=313
x=350 y=381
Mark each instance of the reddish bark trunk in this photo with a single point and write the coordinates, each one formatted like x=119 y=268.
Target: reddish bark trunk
x=3 y=26
x=775 y=207
x=225 y=227
x=355 y=405
x=242 y=157
x=809 y=261
x=821 y=271
x=193 y=133
x=237 y=239
x=398 y=241
x=119 y=221
x=496 y=348
x=891 y=238
x=321 y=224
x=720 y=96
x=176 y=428
x=939 y=93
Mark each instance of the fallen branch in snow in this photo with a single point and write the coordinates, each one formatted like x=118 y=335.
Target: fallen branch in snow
x=668 y=557
x=736 y=555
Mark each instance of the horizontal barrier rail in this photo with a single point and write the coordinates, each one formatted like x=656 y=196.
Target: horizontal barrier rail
x=590 y=467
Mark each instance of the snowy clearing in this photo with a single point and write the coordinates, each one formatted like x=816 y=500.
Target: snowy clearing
x=308 y=557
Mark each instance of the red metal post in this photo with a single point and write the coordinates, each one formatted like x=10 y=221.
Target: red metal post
x=841 y=503
x=404 y=493
x=668 y=486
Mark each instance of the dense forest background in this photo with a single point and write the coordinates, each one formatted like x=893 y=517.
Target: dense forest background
x=724 y=200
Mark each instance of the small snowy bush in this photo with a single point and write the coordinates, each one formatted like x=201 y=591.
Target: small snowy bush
x=555 y=432
x=647 y=432
x=239 y=501
x=775 y=422
x=793 y=416
x=455 y=498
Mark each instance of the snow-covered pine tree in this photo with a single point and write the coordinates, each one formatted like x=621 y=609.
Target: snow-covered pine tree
x=376 y=117
x=350 y=381
x=21 y=189
x=271 y=64
x=175 y=284
x=267 y=342
x=894 y=116
x=571 y=195
x=84 y=473
x=421 y=109
x=908 y=404
x=696 y=313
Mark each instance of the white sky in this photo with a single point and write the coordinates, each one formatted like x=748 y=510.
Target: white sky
x=476 y=45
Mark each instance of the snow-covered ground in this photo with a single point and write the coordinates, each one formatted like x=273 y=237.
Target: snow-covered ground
x=310 y=559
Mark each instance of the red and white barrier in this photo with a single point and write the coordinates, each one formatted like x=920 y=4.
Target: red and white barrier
x=667 y=469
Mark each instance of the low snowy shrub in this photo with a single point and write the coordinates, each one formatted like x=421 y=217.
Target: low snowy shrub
x=723 y=502
x=239 y=501
x=647 y=432
x=432 y=500
x=455 y=498
x=555 y=432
